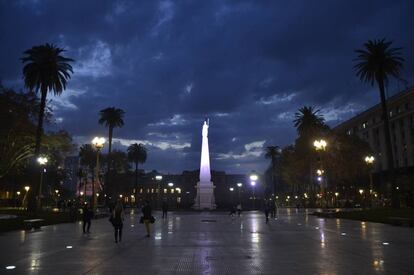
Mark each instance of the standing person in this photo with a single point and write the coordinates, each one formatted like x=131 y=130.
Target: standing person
x=266 y=211
x=118 y=216
x=87 y=217
x=147 y=217
x=273 y=209
x=239 y=209
x=164 y=209
x=232 y=211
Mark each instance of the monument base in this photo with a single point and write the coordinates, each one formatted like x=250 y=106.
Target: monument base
x=205 y=196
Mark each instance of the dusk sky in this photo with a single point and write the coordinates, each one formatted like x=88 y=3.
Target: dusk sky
x=247 y=65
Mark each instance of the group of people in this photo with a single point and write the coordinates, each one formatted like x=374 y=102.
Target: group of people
x=117 y=218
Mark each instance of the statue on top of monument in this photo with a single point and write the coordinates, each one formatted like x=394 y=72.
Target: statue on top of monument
x=205 y=127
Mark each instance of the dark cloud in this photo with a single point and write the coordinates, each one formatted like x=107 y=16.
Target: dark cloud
x=248 y=65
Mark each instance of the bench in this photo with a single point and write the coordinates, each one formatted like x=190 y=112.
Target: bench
x=401 y=221
x=33 y=223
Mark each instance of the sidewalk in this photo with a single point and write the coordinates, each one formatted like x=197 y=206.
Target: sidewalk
x=213 y=243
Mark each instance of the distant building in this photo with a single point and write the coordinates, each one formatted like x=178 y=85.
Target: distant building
x=180 y=189
x=369 y=126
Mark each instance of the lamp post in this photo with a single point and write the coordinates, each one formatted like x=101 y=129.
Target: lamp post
x=98 y=143
x=253 y=179
x=320 y=146
x=231 y=189
x=158 y=178
x=239 y=185
x=26 y=188
x=42 y=162
x=369 y=160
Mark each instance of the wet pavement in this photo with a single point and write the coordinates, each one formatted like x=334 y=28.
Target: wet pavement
x=213 y=243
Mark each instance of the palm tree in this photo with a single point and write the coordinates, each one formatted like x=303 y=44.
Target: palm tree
x=308 y=121
x=273 y=153
x=45 y=70
x=376 y=62
x=111 y=117
x=137 y=153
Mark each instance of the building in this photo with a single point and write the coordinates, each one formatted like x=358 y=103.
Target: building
x=368 y=125
x=180 y=189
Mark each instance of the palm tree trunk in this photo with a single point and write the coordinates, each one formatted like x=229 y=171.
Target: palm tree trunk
x=388 y=143
x=34 y=195
x=136 y=183
x=111 y=130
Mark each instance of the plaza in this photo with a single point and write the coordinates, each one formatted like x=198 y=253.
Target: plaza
x=213 y=243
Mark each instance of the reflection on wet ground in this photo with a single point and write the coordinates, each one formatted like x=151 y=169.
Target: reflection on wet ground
x=214 y=243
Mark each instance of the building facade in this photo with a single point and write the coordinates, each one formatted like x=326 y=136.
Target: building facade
x=368 y=125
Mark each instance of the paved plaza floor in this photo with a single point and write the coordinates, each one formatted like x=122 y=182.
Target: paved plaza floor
x=213 y=243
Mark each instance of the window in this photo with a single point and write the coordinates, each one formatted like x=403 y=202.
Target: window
x=391 y=113
x=365 y=125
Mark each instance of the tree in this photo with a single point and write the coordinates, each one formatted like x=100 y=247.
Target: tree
x=375 y=63
x=111 y=117
x=308 y=121
x=45 y=69
x=87 y=155
x=137 y=153
x=273 y=153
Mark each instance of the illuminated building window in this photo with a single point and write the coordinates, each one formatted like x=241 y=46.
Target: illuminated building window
x=165 y=191
x=140 y=190
x=152 y=190
x=172 y=191
x=179 y=199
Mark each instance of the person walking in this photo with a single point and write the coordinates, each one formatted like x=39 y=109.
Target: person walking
x=232 y=211
x=164 y=209
x=147 y=217
x=239 y=209
x=86 y=218
x=273 y=209
x=267 y=211
x=118 y=216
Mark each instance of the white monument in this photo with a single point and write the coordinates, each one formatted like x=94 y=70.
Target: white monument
x=205 y=188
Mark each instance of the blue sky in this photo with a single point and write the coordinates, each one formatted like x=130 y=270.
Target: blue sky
x=247 y=65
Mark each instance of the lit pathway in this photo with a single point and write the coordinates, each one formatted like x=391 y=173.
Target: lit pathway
x=204 y=243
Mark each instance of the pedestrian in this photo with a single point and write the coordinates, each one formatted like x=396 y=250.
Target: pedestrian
x=273 y=209
x=117 y=219
x=147 y=217
x=164 y=209
x=267 y=211
x=87 y=217
x=239 y=209
x=232 y=211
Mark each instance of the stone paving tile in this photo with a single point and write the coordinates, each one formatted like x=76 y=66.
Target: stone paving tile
x=185 y=243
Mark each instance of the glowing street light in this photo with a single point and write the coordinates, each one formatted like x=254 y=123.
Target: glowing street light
x=18 y=193
x=254 y=177
x=42 y=160
x=158 y=177
x=81 y=193
x=336 y=194
x=170 y=184
x=98 y=143
x=239 y=184
x=231 y=189
x=361 y=191
x=320 y=144
x=369 y=159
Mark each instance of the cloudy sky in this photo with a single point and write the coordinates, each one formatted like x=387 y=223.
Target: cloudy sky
x=247 y=65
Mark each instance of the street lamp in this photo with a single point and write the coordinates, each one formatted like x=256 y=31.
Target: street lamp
x=26 y=188
x=320 y=145
x=98 y=143
x=231 y=189
x=158 y=178
x=253 y=184
x=42 y=162
x=239 y=185
x=170 y=184
x=369 y=160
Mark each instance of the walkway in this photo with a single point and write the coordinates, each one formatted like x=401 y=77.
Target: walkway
x=213 y=243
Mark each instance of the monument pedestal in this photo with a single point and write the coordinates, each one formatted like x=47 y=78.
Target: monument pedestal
x=205 y=196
